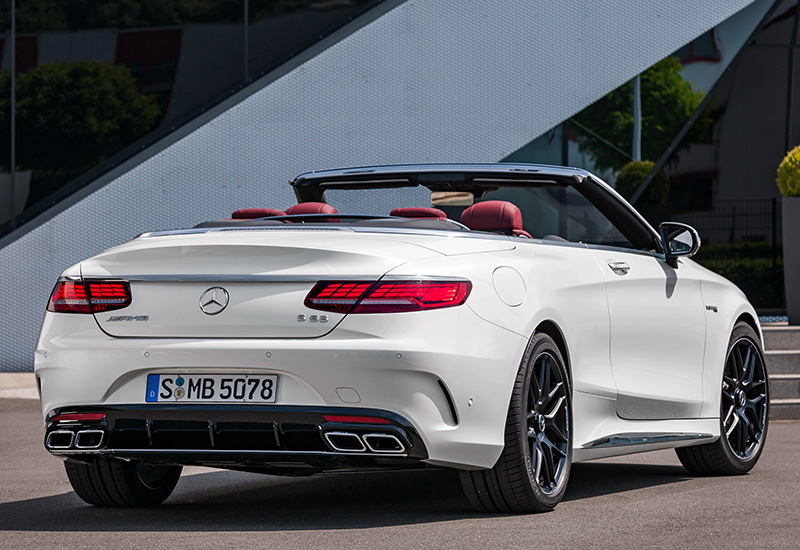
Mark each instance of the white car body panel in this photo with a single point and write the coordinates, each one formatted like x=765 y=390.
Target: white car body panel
x=651 y=308
x=731 y=305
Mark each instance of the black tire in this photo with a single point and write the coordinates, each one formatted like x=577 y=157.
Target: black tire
x=532 y=472
x=111 y=482
x=744 y=411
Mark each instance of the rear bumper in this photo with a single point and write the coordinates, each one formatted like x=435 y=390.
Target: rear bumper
x=276 y=439
x=448 y=373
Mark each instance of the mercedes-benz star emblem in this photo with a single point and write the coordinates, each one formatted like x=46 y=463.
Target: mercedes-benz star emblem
x=214 y=300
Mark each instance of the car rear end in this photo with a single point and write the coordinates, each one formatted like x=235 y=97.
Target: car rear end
x=282 y=351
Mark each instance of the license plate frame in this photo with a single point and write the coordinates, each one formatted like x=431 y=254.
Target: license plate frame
x=211 y=388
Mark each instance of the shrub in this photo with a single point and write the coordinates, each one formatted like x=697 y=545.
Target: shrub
x=789 y=174
x=632 y=175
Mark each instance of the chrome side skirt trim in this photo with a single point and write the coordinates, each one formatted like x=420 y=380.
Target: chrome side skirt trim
x=628 y=439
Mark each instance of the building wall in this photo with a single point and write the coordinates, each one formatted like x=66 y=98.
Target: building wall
x=455 y=80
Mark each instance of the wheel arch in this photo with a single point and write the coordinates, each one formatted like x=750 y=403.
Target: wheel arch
x=750 y=320
x=551 y=329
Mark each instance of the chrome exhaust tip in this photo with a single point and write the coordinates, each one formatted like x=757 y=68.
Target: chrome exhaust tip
x=60 y=439
x=345 y=442
x=89 y=439
x=384 y=443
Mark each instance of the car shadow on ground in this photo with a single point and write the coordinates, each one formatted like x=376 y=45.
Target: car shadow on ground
x=595 y=479
x=235 y=501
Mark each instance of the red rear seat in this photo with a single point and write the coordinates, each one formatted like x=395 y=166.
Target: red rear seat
x=247 y=213
x=311 y=208
x=495 y=216
x=417 y=213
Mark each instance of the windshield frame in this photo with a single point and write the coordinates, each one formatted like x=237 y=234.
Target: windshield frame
x=479 y=179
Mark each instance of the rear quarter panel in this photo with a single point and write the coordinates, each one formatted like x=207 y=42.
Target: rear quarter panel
x=561 y=283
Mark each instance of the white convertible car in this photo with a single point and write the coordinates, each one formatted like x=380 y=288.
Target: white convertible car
x=530 y=319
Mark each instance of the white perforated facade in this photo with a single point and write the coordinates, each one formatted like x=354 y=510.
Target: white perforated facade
x=427 y=81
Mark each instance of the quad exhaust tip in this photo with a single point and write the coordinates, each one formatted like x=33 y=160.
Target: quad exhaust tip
x=345 y=442
x=60 y=439
x=89 y=439
x=379 y=443
x=67 y=439
x=383 y=443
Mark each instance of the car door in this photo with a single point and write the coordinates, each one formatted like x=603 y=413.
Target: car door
x=658 y=335
x=656 y=312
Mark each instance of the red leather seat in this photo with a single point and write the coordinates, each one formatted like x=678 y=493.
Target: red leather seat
x=496 y=217
x=417 y=213
x=311 y=208
x=248 y=213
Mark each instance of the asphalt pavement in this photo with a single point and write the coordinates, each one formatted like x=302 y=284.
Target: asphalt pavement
x=639 y=501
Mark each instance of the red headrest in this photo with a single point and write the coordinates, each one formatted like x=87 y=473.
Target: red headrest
x=311 y=208
x=257 y=213
x=418 y=213
x=495 y=216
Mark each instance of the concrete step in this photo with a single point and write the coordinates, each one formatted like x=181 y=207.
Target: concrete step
x=783 y=361
x=782 y=353
x=784 y=386
x=781 y=337
x=784 y=409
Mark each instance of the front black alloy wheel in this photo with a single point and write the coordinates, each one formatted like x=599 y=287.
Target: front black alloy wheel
x=532 y=472
x=744 y=411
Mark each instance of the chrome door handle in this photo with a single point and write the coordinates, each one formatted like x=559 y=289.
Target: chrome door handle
x=620 y=268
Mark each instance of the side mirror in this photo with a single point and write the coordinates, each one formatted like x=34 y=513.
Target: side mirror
x=678 y=239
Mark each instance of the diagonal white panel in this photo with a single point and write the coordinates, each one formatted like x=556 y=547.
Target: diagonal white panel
x=429 y=81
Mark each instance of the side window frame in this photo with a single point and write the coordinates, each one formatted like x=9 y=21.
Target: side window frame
x=620 y=215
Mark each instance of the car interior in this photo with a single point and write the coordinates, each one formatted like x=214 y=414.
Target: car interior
x=546 y=210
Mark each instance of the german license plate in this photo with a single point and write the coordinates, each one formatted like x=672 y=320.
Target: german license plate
x=216 y=388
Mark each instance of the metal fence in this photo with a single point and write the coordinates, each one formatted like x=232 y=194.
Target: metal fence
x=731 y=221
x=742 y=242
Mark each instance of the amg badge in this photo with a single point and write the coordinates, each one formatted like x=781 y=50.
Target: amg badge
x=116 y=318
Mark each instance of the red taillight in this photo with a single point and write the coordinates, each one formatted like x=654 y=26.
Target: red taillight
x=396 y=296
x=78 y=416
x=106 y=296
x=387 y=296
x=338 y=296
x=69 y=297
x=89 y=296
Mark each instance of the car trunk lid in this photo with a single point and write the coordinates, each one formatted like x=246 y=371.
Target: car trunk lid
x=238 y=284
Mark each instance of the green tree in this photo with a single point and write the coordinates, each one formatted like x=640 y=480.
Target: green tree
x=667 y=103
x=51 y=15
x=70 y=116
x=633 y=174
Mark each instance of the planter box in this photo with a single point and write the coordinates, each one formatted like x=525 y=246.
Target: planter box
x=790 y=210
x=22 y=182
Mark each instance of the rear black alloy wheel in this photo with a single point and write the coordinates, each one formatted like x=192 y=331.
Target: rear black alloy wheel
x=532 y=472
x=111 y=482
x=744 y=411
